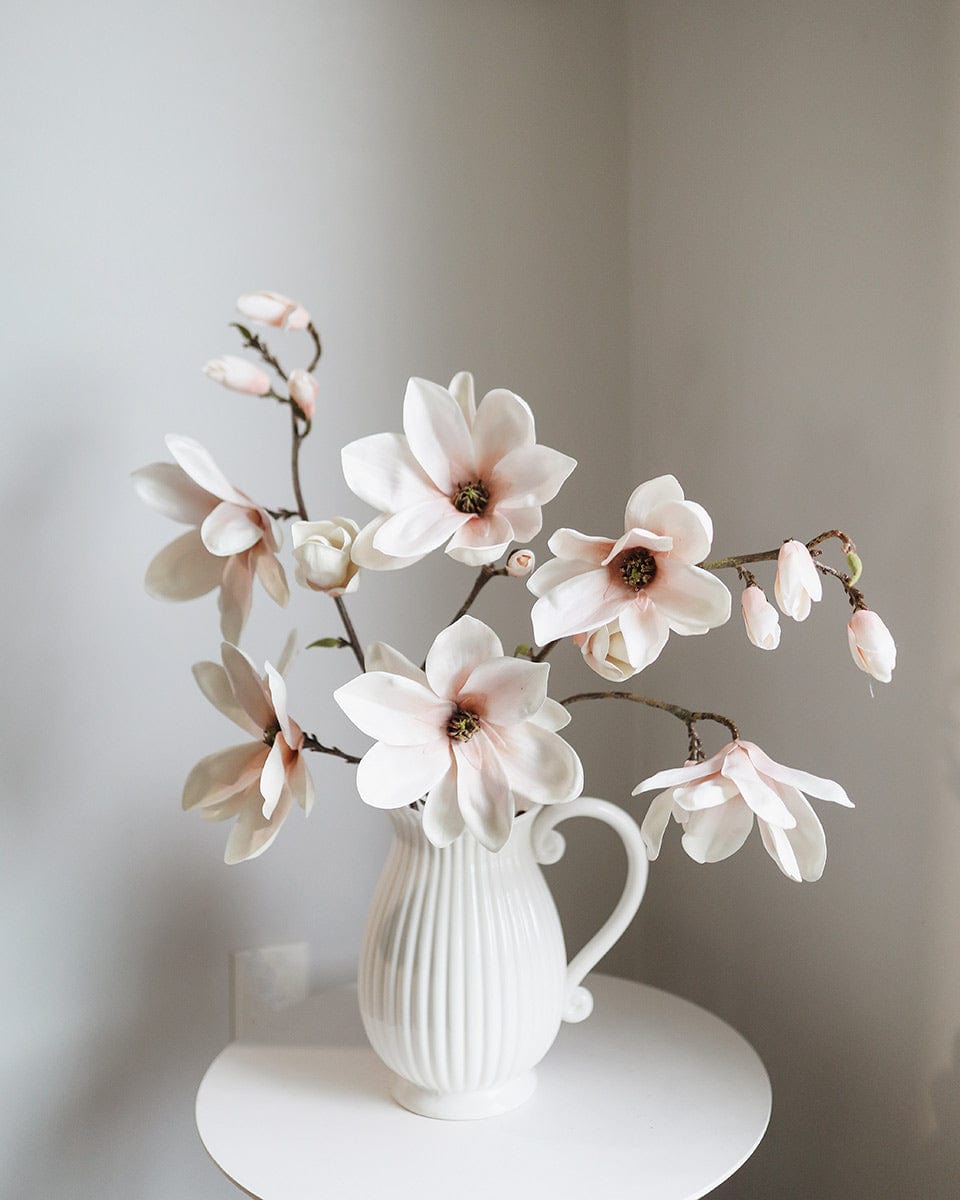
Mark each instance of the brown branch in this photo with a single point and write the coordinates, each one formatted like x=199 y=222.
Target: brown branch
x=317 y=350
x=737 y=560
x=686 y=715
x=253 y=341
x=310 y=742
x=543 y=651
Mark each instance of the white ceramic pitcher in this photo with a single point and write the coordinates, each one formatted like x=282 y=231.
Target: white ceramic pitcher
x=463 y=977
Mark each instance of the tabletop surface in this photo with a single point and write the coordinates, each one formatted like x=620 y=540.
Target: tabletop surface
x=651 y=1097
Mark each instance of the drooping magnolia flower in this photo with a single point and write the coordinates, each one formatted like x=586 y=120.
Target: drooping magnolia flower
x=646 y=580
x=798 y=580
x=304 y=389
x=238 y=375
x=605 y=651
x=270 y=308
x=760 y=618
x=474 y=732
x=521 y=563
x=469 y=475
x=716 y=801
x=322 y=550
x=232 y=538
x=256 y=782
x=871 y=645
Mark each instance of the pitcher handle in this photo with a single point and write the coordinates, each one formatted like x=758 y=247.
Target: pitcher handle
x=548 y=847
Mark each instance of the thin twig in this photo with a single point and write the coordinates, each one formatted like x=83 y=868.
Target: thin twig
x=317 y=351
x=350 y=631
x=737 y=560
x=543 y=651
x=486 y=574
x=686 y=715
x=310 y=742
x=297 y=438
x=253 y=341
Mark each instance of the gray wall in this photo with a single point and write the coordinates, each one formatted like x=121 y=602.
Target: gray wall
x=715 y=239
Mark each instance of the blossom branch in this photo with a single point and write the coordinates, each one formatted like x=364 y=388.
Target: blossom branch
x=737 y=560
x=253 y=341
x=686 y=715
x=486 y=574
x=542 y=651
x=854 y=595
x=311 y=742
x=317 y=349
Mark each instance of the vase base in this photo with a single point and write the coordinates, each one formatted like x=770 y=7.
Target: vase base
x=463 y=1106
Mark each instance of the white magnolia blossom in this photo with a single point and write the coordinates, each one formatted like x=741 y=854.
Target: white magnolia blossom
x=270 y=308
x=645 y=581
x=471 y=476
x=798 y=581
x=760 y=618
x=871 y=645
x=474 y=732
x=716 y=801
x=322 y=551
x=255 y=782
x=238 y=375
x=232 y=540
x=605 y=652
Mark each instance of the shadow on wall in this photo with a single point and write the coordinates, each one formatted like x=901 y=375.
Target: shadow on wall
x=940 y=1159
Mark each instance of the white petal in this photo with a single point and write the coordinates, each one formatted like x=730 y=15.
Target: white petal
x=236 y=595
x=807 y=840
x=247 y=685
x=691 y=599
x=392 y=776
x=300 y=783
x=364 y=555
x=688 y=524
x=655 y=823
x=531 y=475
x=183 y=570
x=253 y=833
x=506 y=690
x=271 y=574
x=569 y=544
x=481 y=540
x=689 y=773
x=461 y=389
x=169 y=490
x=442 y=819
x=483 y=795
x=635 y=538
x=381 y=657
x=777 y=843
x=272 y=779
x=288 y=653
x=278 y=694
x=214 y=682
x=526 y=523
x=579 y=604
x=416 y=531
x=712 y=834
x=438 y=435
x=759 y=795
x=394 y=709
x=504 y=423
x=223 y=774
x=813 y=785
x=199 y=465
x=708 y=793
x=555 y=572
x=552 y=716
x=540 y=766
x=229 y=530
x=456 y=651
x=645 y=632
x=648 y=496
x=382 y=471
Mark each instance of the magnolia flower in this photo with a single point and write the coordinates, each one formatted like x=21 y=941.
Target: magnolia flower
x=474 y=733
x=715 y=801
x=760 y=618
x=304 y=390
x=322 y=550
x=471 y=476
x=256 y=782
x=521 y=563
x=238 y=375
x=605 y=652
x=270 y=308
x=872 y=645
x=232 y=539
x=645 y=580
x=798 y=580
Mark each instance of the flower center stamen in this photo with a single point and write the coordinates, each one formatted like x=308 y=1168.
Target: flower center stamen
x=471 y=498
x=270 y=733
x=638 y=568
x=462 y=725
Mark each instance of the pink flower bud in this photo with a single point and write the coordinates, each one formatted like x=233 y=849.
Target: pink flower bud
x=270 y=308
x=238 y=375
x=521 y=563
x=760 y=618
x=871 y=645
x=798 y=581
x=304 y=389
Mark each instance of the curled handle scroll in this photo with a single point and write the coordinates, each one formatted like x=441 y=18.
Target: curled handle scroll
x=548 y=847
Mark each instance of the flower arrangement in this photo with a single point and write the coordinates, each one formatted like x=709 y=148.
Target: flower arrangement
x=471 y=737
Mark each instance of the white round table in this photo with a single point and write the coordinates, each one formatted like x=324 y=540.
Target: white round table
x=651 y=1097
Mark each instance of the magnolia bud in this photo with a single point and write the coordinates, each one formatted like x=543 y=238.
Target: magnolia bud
x=521 y=563
x=304 y=390
x=238 y=375
x=322 y=552
x=760 y=618
x=270 y=308
x=797 y=582
x=871 y=645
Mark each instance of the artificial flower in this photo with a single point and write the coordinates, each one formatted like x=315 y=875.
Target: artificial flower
x=474 y=732
x=232 y=540
x=322 y=550
x=238 y=375
x=521 y=563
x=798 y=580
x=760 y=618
x=605 y=651
x=646 y=580
x=716 y=801
x=469 y=475
x=304 y=390
x=256 y=782
x=871 y=645
x=270 y=308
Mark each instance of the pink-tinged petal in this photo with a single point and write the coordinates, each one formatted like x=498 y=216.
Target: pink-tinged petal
x=761 y=620
x=689 y=773
x=273 y=779
x=382 y=471
x=526 y=523
x=183 y=570
x=798 y=582
x=381 y=657
x=689 y=526
x=531 y=475
x=555 y=572
x=581 y=547
x=236 y=595
x=438 y=435
x=552 y=716
x=442 y=819
x=655 y=823
x=645 y=632
x=168 y=489
x=393 y=709
x=393 y=776
x=365 y=555
x=278 y=695
x=579 y=605
x=635 y=538
x=417 y=530
x=504 y=423
x=247 y=685
x=807 y=840
x=708 y=793
x=713 y=834
x=506 y=690
x=229 y=530
x=481 y=540
x=223 y=774
x=270 y=572
x=759 y=795
x=648 y=496
x=214 y=682
x=199 y=465
x=461 y=389
x=300 y=784
x=871 y=645
x=254 y=833
x=777 y=844
x=691 y=599
x=288 y=653
x=813 y=785
x=483 y=793
x=605 y=652
x=541 y=767
x=456 y=651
